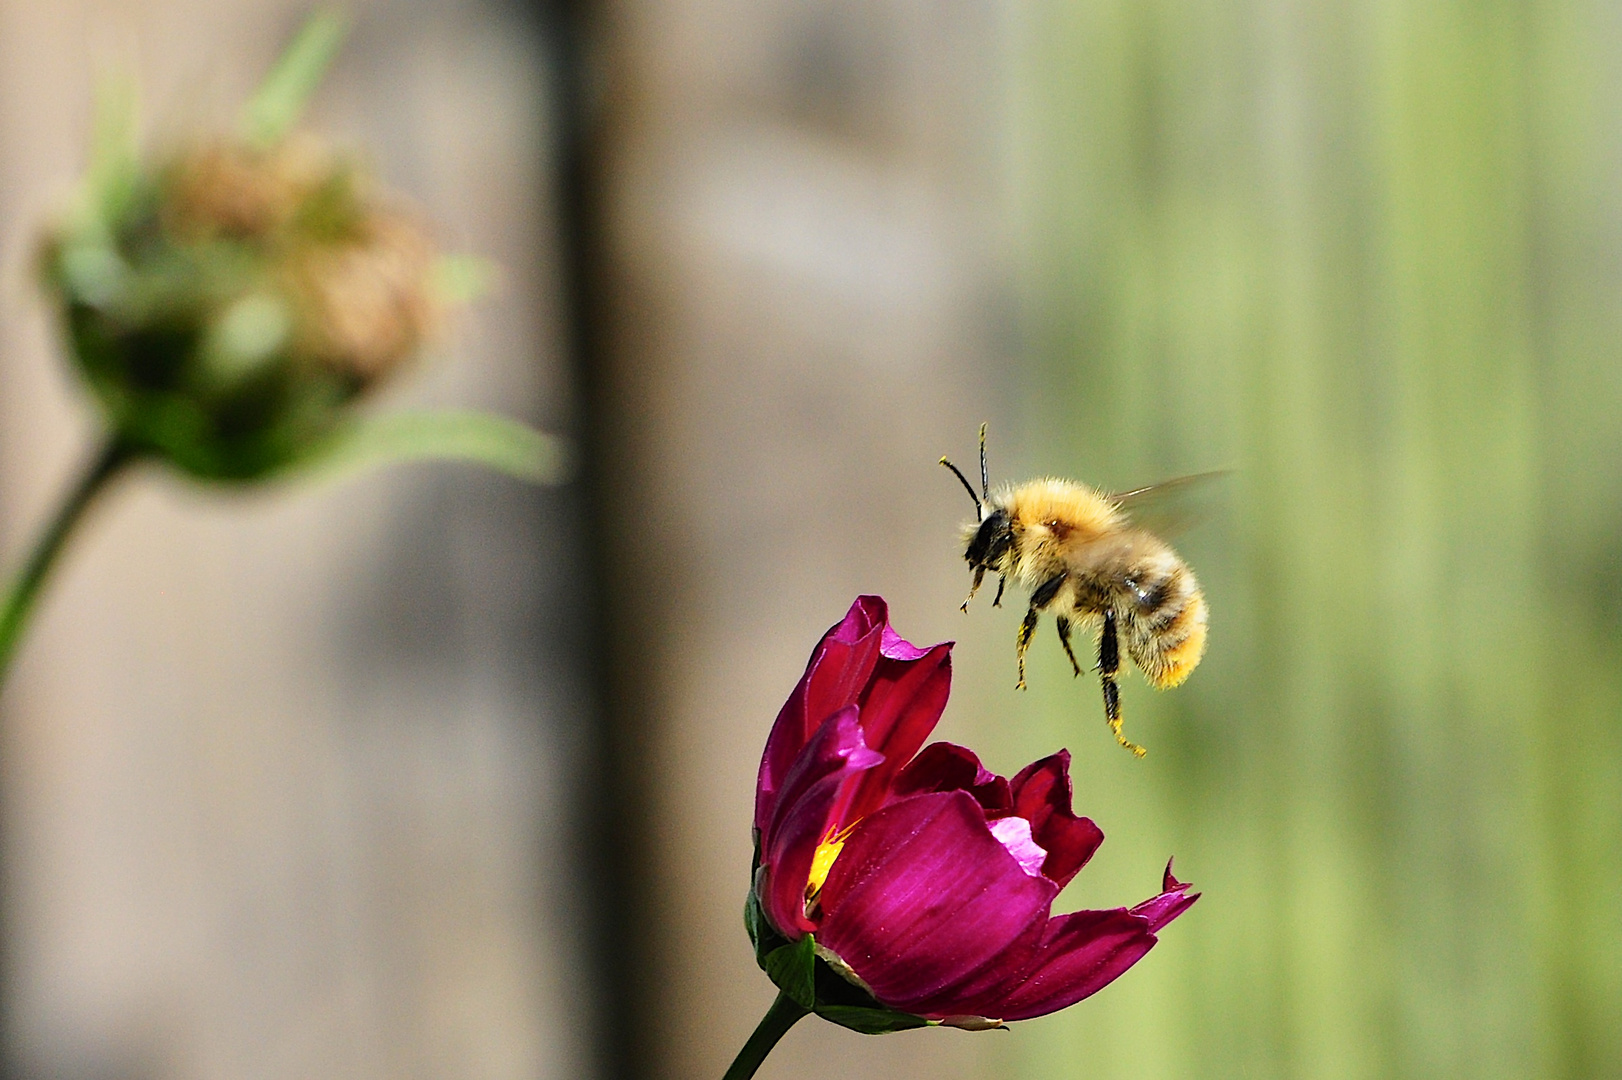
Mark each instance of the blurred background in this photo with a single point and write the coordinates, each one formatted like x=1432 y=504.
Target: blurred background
x=426 y=774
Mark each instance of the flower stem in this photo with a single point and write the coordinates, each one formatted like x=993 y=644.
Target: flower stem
x=784 y=1014
x=20 y=594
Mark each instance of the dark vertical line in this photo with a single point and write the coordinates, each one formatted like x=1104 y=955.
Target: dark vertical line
x=612 y=807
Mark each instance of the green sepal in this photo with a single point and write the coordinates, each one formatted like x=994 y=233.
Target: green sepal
x=112 y=182
x=793 y=968
x=762 y=934
x=842 y=1002
x=753 y=923
x=879 y=1021
x=279 y=102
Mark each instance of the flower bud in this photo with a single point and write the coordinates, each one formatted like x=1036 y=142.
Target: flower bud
x=226 y=306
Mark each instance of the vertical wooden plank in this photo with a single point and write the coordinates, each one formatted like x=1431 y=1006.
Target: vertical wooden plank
x=806 y=309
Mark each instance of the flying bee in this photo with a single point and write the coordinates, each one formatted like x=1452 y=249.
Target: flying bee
x=1081 y=556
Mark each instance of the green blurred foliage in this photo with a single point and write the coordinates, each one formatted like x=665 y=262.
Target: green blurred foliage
x=1370 y=256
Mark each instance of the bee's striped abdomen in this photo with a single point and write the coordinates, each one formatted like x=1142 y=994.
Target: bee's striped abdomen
x=1162 y=616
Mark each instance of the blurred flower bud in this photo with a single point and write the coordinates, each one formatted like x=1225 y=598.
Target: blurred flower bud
x=227 y=305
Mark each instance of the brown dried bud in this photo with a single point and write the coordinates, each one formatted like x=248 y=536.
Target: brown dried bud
x=227 y=188
x=364 y=305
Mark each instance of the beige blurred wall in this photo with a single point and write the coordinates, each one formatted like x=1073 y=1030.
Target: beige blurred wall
x=286 y=775
x=810 y=302
x=283 y=799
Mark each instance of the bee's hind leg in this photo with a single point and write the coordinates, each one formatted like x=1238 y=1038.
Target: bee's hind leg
x=1064 y=639
x=1027 y=630
x=1040 y=599
x=1109 y=665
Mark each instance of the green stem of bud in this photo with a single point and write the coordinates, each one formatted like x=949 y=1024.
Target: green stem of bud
x=18 y=599
x=784 y=1014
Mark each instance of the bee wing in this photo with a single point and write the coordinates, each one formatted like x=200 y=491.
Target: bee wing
x=1173 y=506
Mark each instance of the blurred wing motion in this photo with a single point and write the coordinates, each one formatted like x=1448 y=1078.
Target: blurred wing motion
x=1172 y=507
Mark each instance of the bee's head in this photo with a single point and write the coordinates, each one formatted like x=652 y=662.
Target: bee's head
x=990 y=541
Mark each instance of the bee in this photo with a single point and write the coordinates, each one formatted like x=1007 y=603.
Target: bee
x=1080 y=554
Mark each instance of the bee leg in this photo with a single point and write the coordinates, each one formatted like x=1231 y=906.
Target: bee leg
x=1064 y=639
x=1040 y=599
x=1027 y=630
x=979 y=576
x=1109 y=665
x=1002 y=579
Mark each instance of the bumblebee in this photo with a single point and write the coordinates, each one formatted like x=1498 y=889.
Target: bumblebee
x=1081 y=556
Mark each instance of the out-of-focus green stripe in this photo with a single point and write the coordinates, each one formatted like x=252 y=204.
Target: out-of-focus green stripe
x=1370 y=256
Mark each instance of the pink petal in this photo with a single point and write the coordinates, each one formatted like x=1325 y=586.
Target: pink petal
x=1079 y=955
x=834 y=678
x=924 y=900
x=1041 y=793
x=1014 y=833
x=1172 y=902
x=895 y=647
x=849 y=654
x=902 y=704
x=944 y=766
x=901 y=689
x=800 y=820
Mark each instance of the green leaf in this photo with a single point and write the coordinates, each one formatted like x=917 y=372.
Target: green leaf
x=793 y=969
x=870 y=1021
x=478 y=438
x=279 y=102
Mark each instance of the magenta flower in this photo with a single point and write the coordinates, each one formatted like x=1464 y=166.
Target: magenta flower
x=920 y=877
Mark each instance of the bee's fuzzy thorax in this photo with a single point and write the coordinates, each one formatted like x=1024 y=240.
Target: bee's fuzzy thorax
x=1050 y=499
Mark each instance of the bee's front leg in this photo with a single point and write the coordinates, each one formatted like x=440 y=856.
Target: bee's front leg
x=1002 y=580
x=1040 y=599
x=1109 y=665
x=979 y=576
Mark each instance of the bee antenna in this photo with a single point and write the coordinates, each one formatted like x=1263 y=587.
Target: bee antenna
x=964 y=480
x=985 y=477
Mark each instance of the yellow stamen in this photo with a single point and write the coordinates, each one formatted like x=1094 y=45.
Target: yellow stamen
x=822 y=861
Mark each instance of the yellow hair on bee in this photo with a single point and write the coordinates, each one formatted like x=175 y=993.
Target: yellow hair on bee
x=1059 y=503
